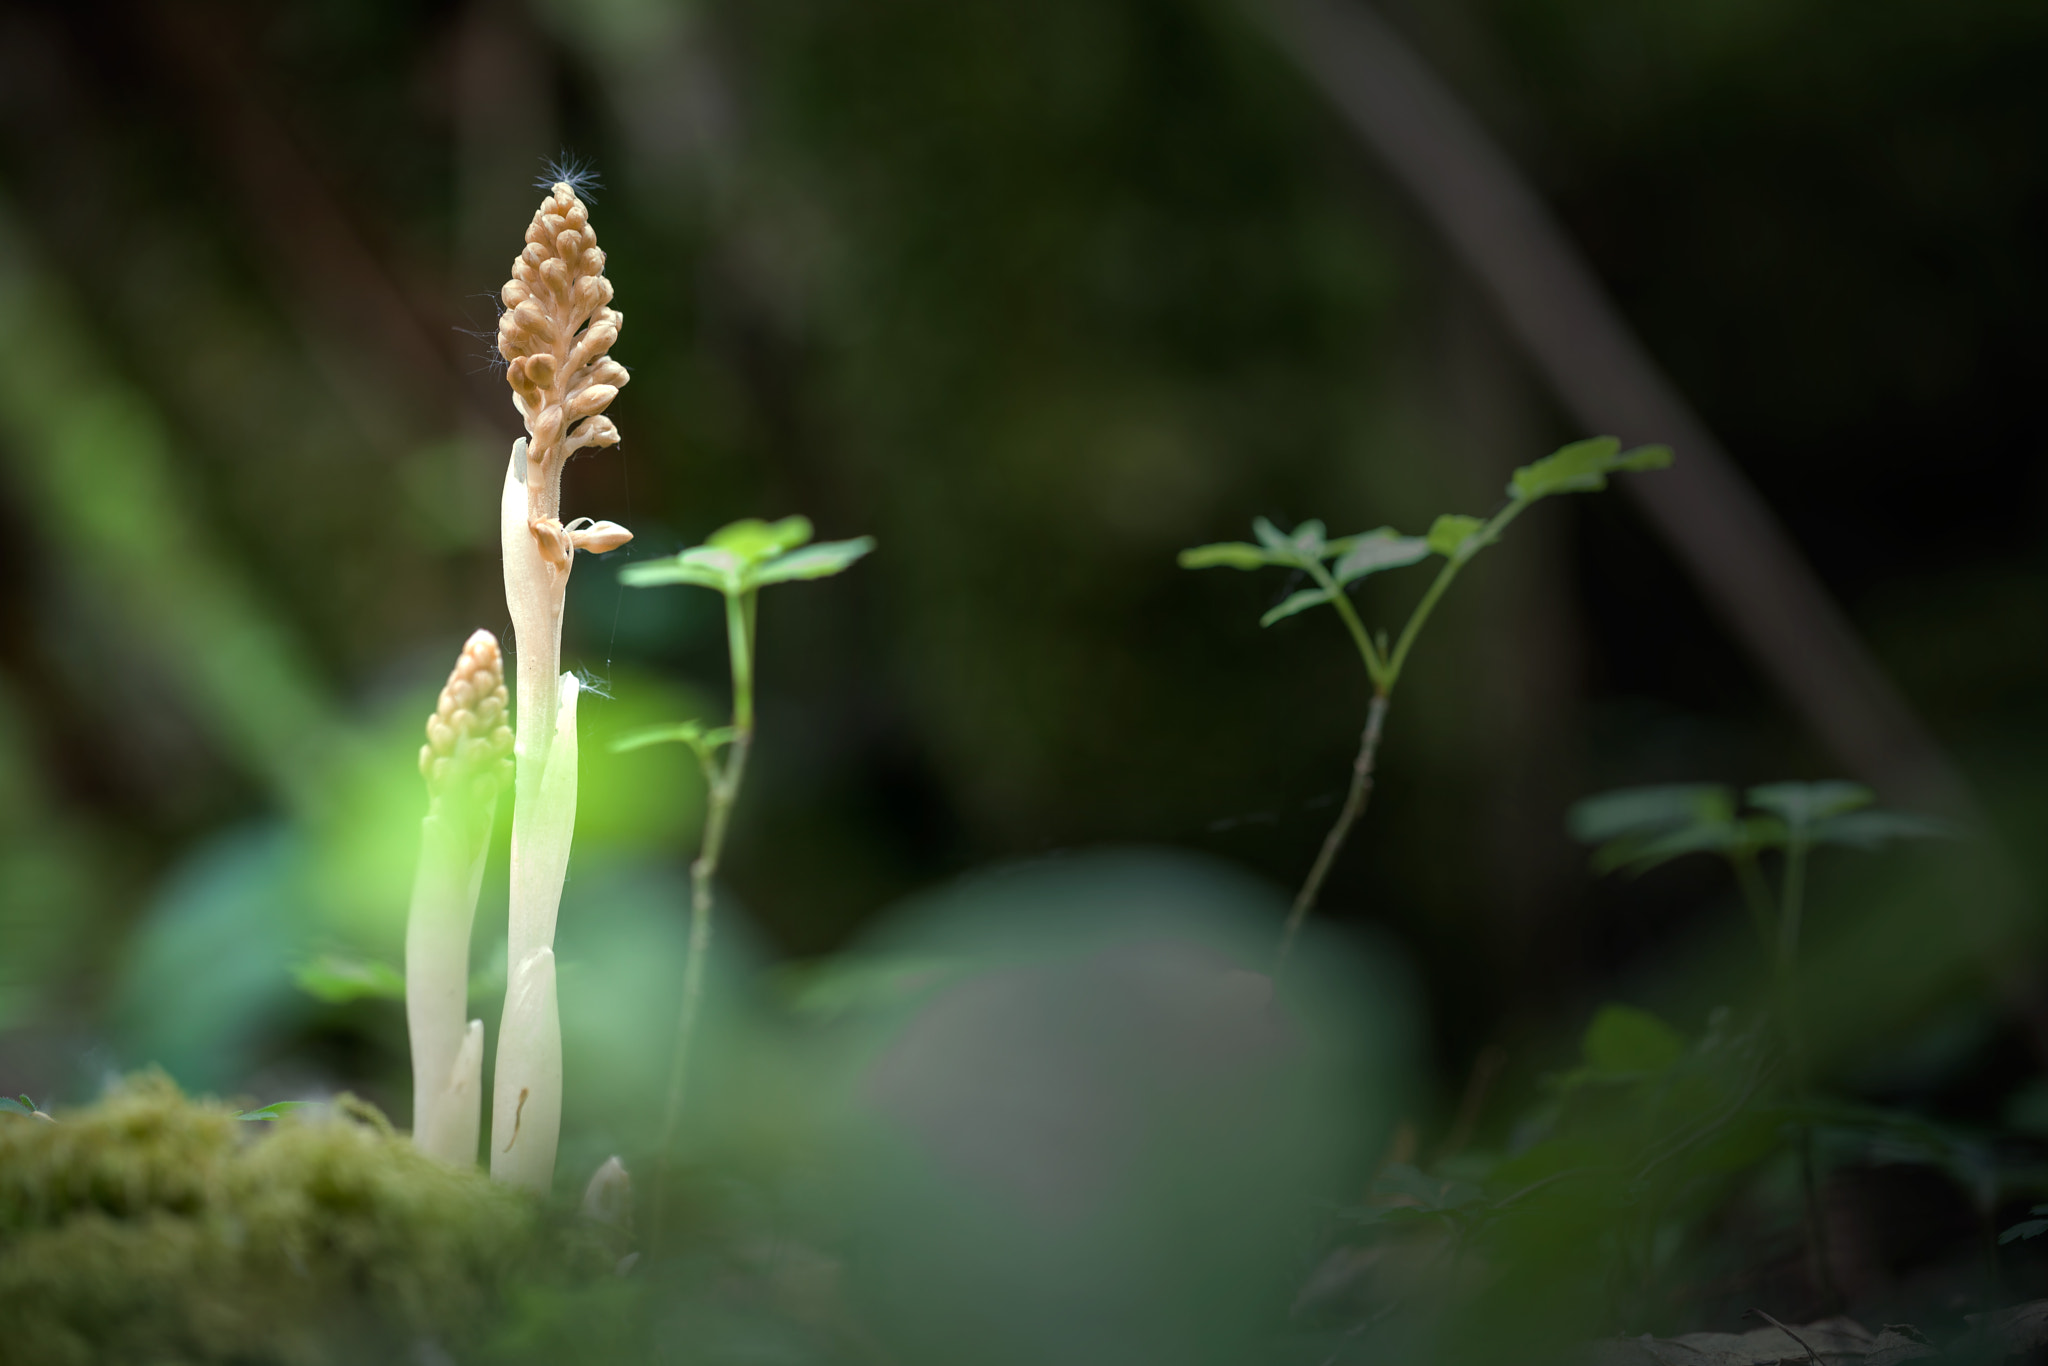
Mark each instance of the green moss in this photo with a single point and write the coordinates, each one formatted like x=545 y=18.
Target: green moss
x=152 y=1229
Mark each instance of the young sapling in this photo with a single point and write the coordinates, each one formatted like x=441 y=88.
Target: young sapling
x=737 y=561
x=1640 y=828
x=1335 y=564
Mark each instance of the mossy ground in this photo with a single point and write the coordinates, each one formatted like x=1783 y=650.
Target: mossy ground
x=154 y=1229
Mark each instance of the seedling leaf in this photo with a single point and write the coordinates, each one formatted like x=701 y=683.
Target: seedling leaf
x=751 y=540
x=1449 y=533
x=704 y=743
x=1802 y=804
x=277 y=1109
x=819 y=561
x=17 y=1105
x=2031 y=1228
x=1583 y=467
x=1640 y=810
x=1385 y=548
x=1308 y=540
x=1623 y=1043
x=702 y=566
x=1224 y=555
x=678 y=733
x=1875 y=829
x=1297 y=602
x=1641 y=853
x=337 y=980
x=1273 y=538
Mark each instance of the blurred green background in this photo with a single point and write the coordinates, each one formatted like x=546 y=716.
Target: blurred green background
x=1036 y=294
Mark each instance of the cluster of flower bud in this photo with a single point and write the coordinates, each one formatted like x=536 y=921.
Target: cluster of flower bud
x=470 y=735
x=556 y=336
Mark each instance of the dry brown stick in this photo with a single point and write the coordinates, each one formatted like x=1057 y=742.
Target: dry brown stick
x=1706 y=510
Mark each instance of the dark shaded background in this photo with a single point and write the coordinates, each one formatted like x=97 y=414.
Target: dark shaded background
x=1037 y=294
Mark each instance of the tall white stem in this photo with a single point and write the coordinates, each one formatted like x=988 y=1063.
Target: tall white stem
x=526 y=1102
x=541 y=835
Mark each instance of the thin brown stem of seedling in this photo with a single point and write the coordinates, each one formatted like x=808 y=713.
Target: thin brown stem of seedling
x=1354 y=807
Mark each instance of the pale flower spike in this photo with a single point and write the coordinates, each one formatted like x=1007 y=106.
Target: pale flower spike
x=556 y=336
x=466 y=760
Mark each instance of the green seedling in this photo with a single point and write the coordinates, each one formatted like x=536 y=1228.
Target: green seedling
x=1636 y=829
x=738 y=561
x=1639 y=828
x=276 y=1110
x=1333 y=564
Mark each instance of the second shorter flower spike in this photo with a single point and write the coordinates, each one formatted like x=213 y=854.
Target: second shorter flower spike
x=470 y=732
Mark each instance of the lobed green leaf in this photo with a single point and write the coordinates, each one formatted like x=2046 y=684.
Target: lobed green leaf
x=1224 y=555
x=1875 y=829
x=1373 y=551
x=1623 y=1043
x=1298 y=602
x=701 y=566
x=819 y=561
x=1583 y=467
x=1801 y=804
x=1449 y=533
x=337 y=980
x=691 y=733
x=277 y=1109
x=1639 y=853
x=1640 y=810
x=751 y=540
x=682 y=732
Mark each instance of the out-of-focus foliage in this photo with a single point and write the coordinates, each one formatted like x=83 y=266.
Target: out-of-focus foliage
x=1087 y=1129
